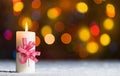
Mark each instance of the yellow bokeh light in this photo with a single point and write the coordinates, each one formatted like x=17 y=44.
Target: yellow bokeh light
x=29 y=22
x=82 y=7
x=66 y=38
x=49 y=39
x=46 y=30
x=53 y=13
x=108 y=24
x=105 y=39
x=36 y=4
x=84 y=34
x=37 y=40
x=92 y=47
x=110 y=10
x=17 y=7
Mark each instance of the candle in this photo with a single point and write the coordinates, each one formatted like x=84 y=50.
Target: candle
x=25 y=62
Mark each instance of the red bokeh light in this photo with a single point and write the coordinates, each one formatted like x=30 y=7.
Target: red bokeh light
x=94 y=30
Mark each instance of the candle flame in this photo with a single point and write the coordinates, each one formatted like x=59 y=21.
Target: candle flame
x=26 y=26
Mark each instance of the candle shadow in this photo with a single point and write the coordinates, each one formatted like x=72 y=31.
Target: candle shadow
x=4 y=71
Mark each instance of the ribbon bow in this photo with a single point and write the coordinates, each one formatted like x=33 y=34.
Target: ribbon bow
x=26 y=52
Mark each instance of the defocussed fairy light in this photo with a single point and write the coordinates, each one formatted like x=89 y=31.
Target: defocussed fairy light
x=82 y=7
x=59 y=26
x=37 y=40
x=105 y=39
x=110 y=10
x=8 y=34
x=49 y=39
x=98 y=1
x=113 y=47
x=65 y=4
x=46 y=30
x=94 y=30
x=35 y=26
x=79 y=15
x=20 y=20
x=14 y=54
x=53 y=13
x=35 y=15
x=108 y=24
x=16 y=13
x=66 y=38
x=36 y=4
x=92 y=47
x=15 y=1
x=84 y=34
x=17 y=7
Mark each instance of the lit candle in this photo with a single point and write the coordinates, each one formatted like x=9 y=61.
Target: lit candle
x=24 y=64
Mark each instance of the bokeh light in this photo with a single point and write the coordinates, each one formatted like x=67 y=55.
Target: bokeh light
x=92 y=47
x=37 y=40
x=53 y=13
x=8 y=34
x=66 y=38
x=113 y=47
x=65 y=4
x=35 y=26
x=16 y=13
x=84 y=34
x=98 y=1
x=36 y=4
x=35 y=15
x=108 y=24
x=59 y=26
x=49 y=39
x=95 y=30
x=79 y=15
x=18 y=6
x=15 y=1
x=14 y=54
x=46 y=30
x=110 y=10
x=82 y=7
x=105 y=39
x=78 y=29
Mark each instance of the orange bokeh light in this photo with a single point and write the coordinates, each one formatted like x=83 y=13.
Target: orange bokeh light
x=36 y=4
x=110 y=10
x=53 y=13
x=66 y=38
x=35 y=26
x=37 y=41
x=98 y=1
x=65 y=4
x=59 y=26
x=15 y=1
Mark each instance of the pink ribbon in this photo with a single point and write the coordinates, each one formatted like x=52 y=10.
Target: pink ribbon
x=26 y=52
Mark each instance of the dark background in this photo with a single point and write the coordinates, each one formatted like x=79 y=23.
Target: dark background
x=72 y=21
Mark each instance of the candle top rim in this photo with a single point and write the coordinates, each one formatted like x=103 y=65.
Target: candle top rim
x=25 y=31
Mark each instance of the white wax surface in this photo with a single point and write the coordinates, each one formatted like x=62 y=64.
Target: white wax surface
x=24 y=68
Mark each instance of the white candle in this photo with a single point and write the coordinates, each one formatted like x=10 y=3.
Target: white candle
x=29 y=66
